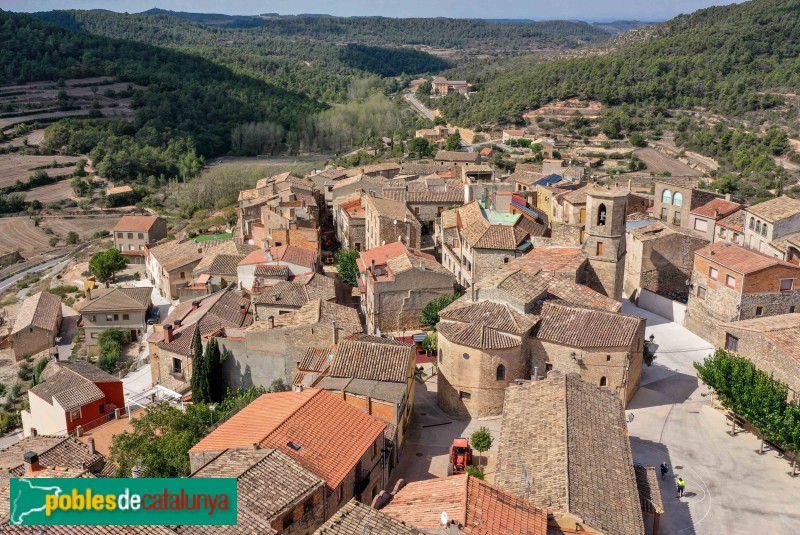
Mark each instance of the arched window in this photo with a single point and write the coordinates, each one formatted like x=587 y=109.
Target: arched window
x=603 y=381
x=764 y=229
x=677 y=199
x=666 y=197
x=752 y=222
x=758 y=226
x=501 y=373
x=601 y=215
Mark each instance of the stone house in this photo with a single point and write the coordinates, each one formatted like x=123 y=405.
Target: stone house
x=133 y=233
x=396 y=283
x=169 y=265
x=731 y=229
x=436 y=134
x=733 y=283
x=328 y=437
x=603 y=348
x=428 y=205
x=270 y=349
x=770 y=343
x=703 y=219
x=221 y=263
x=553 y=425
x=289 y=296
x=171 y=344
x=37 y=325
x=377 y=375
x=385 y=170
x=770 y=221
x=660 y=258
x=387 y=221
x=71 y=396
x=360 y=184
x=472 y=507
x=275 y=494
x=675 y=198
x=349 y=219
x=66 y=453
x=121 y=308
x=262 y=269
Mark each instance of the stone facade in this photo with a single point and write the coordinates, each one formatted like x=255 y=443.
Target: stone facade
x=387 y=221
x=605 y=240
x=660 y=259
x=674 y=200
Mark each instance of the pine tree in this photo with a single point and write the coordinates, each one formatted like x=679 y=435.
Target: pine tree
x=213 y=362
x=199 y=381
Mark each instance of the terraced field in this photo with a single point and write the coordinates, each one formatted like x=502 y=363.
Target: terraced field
x=15 y=167
x=20 y=233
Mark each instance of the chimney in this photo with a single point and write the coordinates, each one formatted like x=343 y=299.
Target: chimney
x=34 y=432
x=88 y=294
x=90 y=444
x=31 y=461
x=168 y=333
x=243 y=309
x=630 y=182
x=271 y=322
x=716 y=213
x=256 y=446
x=727 y=196
x=335 y=333
x=195 y=305
x=372 y=267
x=298 y=388
x=177 y=323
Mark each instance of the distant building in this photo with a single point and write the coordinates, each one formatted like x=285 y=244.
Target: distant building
x=9 y=257
x=289 y=296
x=443 y=86
x=773 y=228
x=675 y=198
x=262 y=269
x=349 y=219
x=388 y=221
x=78 y=394
x=436 y=134
x=133 y=233
x=37 y=325
x=703 y=219
x=169 y=265
x=120 y=308
x=731 y=228
x=445 y=157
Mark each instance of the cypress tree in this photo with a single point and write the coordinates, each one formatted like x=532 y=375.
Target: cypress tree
x=200 y=385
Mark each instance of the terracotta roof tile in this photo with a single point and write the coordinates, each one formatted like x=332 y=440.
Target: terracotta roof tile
x=776 y=209
x=389 y=208
x=330 y=435
x=478 y=507
x=113 y=299
x=649 y=489
x=135 y=223
x=581 y=327
x=564 y=444
x=454 y=156
x=172 y=255
x=292 y=254
x=478 y=336
x=73 y=386
x=494 y=315
x=373 y=360
x=39 y=310
x=358 y=519
x=63 y=452
x=717 y=208
x=740 y=259
x=321 y=312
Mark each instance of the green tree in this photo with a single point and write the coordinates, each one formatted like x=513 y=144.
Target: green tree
x=73 y=238
x=104 y=265
x=37 y=374
x=430 y=313
x=425 y=88
x=110 y=342
x=453 y=142
x=420 y=147
x=637 y=140
x=481 y=440
x=201 y=387
x=213 y=360
x=160 y=440
x=789 y=434
x=348 y=268
x=431 y=342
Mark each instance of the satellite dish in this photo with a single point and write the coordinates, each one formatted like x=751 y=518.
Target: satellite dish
x=444 y=519
x=630 y=417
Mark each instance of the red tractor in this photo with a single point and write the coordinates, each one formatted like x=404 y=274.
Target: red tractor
x=460 y=456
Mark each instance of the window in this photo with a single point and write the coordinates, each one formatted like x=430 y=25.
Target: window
x=701 y=292
x=288 y=521
x=102 y=408
x=183 y=275
x=663 y=214
x=500 y=374
x=340 y=493
x=130 y=235
x=759 y=311
x=505 y=260
x=140 y=235
x=677 y=200
x=120 y=234
x=95 y=336
x=601 y=215
x=758 y=226
x=109 y=317
x=608 y=357
x=676 y=219
x=666 y=197
x=92 y=318
x=277 y=244
x=466 y=356
x=308 y=507
x=599 y=248
x=752 y=222
x=177 y=365
x=464 y=395
x=764 y=230
x=721 y=230
x=702 y=226
x=713 y=273
x=730 y=280
x=731 y=342
x=548 y=367
x=735 y=236
x=440 y=355
x=75 y=415
x=374 y=448
x=126 y=317
x=791 y=310
x=131 y=247
x=603 y=381
x=116 y=317
x=787 y=285
x=416 y=210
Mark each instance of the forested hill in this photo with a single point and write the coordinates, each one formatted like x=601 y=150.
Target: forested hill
x=482 y=35
x=187 y=95
x=729 y=59
x=320 y=69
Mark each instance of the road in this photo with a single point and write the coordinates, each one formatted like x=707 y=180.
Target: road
x=730 y=488
x=57 y=263
x=410 y=97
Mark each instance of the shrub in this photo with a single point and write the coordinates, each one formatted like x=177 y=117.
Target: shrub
x=24 y=371
x=474 y=471
x=53 y=241
x=8 y=421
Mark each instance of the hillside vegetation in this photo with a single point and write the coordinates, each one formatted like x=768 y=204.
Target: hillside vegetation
x=729 y=60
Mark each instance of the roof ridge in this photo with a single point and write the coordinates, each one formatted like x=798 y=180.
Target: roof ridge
x=466 y=498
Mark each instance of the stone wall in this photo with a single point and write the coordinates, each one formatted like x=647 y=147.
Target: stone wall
x=486 y=262
x=661 y=265
x=566 y=234
x=303 y=522
x=398 y=304
x=32 y=341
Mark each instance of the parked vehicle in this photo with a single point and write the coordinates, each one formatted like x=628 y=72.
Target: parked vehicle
x=460 y=456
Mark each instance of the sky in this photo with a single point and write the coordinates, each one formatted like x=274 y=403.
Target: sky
x=588 y=10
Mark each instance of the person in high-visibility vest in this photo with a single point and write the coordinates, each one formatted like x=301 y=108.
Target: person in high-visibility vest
x=681 y=486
